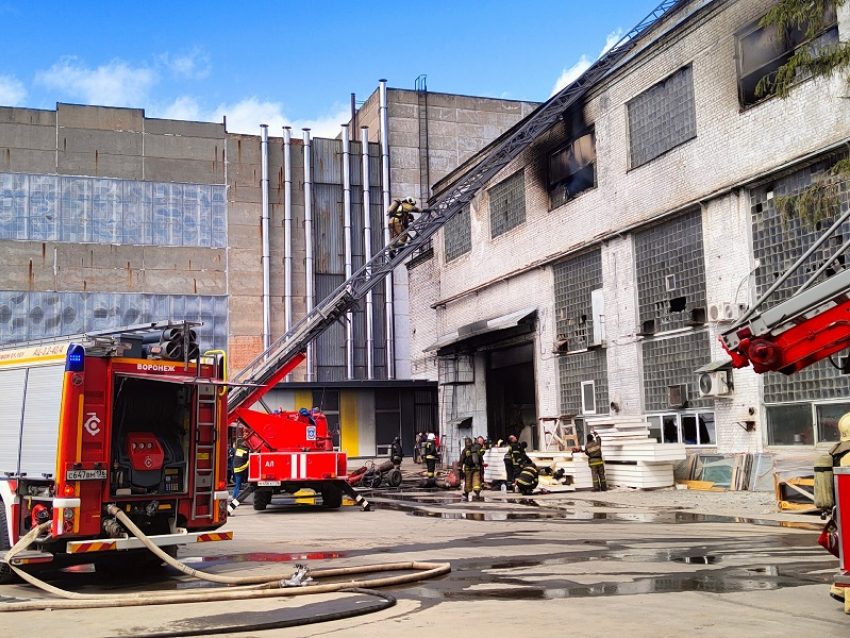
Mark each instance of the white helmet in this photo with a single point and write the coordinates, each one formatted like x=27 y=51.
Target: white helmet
x=431 y=436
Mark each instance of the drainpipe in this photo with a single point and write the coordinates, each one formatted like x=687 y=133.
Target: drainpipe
x=264 y=187
x=367 y=254
x=287 y=231
x=308 y=240
x=346 y=212
x=385 y=181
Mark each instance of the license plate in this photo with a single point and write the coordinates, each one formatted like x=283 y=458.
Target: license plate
x=268 y=483
x=85 y=475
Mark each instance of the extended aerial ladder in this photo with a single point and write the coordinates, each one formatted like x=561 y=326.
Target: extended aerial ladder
x=808 y=325
x=284 y=355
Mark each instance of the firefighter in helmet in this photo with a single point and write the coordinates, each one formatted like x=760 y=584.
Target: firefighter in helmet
x=240 y=465
x=396 y=452
x=528 y=477
x=471 y=460
x=400 y=215
x=593 y=449
x=429 y=452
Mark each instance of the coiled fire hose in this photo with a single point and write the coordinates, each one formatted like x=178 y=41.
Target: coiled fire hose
x=242 y=587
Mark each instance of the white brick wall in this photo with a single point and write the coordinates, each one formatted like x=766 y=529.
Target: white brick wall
x=732 y=146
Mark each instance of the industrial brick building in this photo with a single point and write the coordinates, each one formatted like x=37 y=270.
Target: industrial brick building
x=593 y=275
x=109 y=218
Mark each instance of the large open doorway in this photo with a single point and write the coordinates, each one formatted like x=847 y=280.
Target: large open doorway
x=511 y=398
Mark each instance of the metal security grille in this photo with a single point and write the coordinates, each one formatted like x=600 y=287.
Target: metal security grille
x=777 y=243
x=458 y=235
x=37 y=315
x=507 y=204
x=576 y=368
x=670 y=268
x=668 y=362
x=574 y=281
x=662 y=117
x=112 y=211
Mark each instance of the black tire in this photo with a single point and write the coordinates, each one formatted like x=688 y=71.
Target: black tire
x=7 y=576
x=262 y=498
x=394 y=477
x=331 y=497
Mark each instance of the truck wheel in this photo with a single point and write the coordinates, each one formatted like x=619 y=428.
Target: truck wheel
x=394 y=477
x=262 y=498
x=331 y=497
x=6 y=574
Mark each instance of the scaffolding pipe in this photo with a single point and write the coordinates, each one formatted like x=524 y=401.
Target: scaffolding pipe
x=385 y=192
x=346 y=215
x=367 y=252
x=264 y=188
x=308 y=240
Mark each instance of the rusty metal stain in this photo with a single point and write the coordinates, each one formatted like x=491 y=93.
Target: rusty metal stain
x=238 y=151
x=195 y=282
x=8 y=158
x=96 y=160
x=31 y=276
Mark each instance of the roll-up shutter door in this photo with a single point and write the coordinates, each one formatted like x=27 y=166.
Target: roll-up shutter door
x=12 y=384
x=40 y=438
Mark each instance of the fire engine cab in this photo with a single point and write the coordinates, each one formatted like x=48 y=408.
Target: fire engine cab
x=133 y=418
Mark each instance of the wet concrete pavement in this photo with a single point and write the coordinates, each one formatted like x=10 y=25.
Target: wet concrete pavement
x=542 y=566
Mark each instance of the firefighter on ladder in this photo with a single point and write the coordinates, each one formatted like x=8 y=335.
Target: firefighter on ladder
x=400 y=215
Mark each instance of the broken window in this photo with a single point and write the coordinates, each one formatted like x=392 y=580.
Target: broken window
x=762 y=50
x=662 y=117
x=507 y=204
x=572 y=170
x=458 y=235
x=690 y=428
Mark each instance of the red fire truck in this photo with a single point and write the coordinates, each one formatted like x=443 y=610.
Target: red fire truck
x=806 y=326
x=133 y=418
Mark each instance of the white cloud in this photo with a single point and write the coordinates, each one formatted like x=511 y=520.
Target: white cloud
x=194 y=65
x=12 y=91
x=246 y=116
x=113 y=84
x=568 y=76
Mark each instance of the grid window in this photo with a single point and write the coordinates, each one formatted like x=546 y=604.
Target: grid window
x=575 y=281
x=777 y=243
x=577 y=369
x=458 y=235
x=111 y=211
x=669 y=362
x=572 y=170
x=670 y=269
x=763 y=50
x=662 y=117
x=507 y=204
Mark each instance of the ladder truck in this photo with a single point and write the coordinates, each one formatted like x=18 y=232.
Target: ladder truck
x=290 y=452
x=133 y=418
x=810 y=325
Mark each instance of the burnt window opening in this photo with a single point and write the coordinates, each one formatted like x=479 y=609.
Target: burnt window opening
x=458 y=235
x=763 y=50
x=678 y=304
x=572 y=170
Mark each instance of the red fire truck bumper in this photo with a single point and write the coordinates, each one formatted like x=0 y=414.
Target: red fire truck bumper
x=164 y=540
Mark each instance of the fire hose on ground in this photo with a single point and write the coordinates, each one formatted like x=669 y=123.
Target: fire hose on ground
x=240 y=587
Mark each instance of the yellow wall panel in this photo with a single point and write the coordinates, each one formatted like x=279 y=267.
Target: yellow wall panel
x=349 y=432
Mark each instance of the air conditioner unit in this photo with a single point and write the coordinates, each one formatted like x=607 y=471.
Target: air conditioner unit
x=724 y=311
x=677 y=396
x=714 y=384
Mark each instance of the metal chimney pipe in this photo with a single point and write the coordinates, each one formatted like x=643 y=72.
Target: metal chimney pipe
x=287 y=226
x=346 y=213
x=264 y=188
x=308 y=240
x=385 y=181
x=367 y=253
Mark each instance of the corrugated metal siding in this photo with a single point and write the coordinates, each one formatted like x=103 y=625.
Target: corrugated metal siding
x=330 y=230
x=330 y=346
x=327 y=161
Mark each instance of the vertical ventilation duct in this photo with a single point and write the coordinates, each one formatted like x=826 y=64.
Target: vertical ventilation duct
x=308 y=241
x=367 y=253
x=264 y=187
x=385 y=183
x=346 y=212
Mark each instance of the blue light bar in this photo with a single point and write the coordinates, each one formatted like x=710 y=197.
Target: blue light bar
x=75 y=360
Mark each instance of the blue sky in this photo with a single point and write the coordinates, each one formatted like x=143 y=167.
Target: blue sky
x=296 y=63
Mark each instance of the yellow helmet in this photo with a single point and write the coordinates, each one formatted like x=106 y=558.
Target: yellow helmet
x=844 y=427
